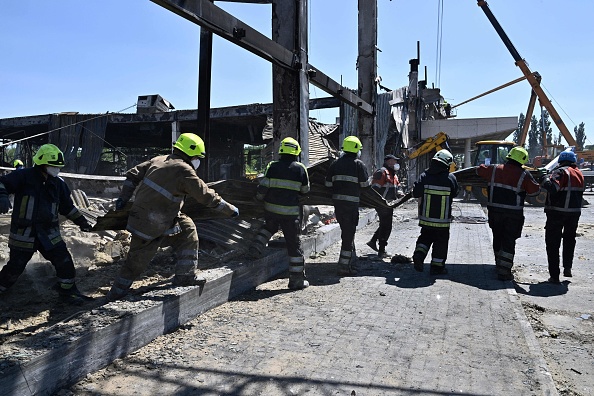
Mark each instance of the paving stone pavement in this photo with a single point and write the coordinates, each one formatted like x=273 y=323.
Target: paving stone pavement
x=389 y=330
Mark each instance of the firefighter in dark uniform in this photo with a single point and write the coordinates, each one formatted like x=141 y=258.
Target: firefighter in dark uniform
x=346 y=176
x=283 y=182
x=386 y=183
x=40 y=196
x=565 y=187
x=508 y=185
x=436 y=189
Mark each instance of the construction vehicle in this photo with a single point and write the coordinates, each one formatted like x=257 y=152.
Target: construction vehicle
x=430 y=145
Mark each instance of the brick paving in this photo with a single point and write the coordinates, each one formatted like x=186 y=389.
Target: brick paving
x=387 y=331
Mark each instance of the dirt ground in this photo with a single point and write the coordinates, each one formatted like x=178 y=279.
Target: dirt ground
x=561 y=315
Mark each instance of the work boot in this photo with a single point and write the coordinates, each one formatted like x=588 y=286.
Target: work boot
x=347 y=270
x=297 y=281
x=69 y=293
x=418 y=263
x=567 y=272
x=554 y=280
x=508 y=276
x=381 y=253
x=373 y=244
x=189 y=280
x=437 y=270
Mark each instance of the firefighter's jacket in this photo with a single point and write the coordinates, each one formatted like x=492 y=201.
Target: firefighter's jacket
x=385 y=182
x=283 y=182
x=37 y=203
x=163 y=182
x=565 y=187
x=508 y=185
x=346 y=176
x=436 y=190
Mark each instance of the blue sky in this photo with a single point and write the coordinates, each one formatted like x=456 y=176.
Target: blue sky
x=94 y=56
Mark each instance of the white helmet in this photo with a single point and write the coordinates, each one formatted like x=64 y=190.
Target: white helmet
x=444 y=156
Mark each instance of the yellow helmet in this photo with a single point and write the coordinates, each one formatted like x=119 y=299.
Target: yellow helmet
x=17 y=162
x=518 y=154
x=48 y=154
x=289 y=146
x=191 y=144
x=351 y=144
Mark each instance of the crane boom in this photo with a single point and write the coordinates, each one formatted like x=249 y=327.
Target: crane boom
x=532 y=79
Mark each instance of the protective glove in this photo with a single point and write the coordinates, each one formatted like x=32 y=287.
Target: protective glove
x=84 y=225
x=541 y=174
x=227 y=208
x=120 y=203
x=4 y=203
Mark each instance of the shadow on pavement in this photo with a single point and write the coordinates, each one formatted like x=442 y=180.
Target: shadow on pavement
x=542 y=289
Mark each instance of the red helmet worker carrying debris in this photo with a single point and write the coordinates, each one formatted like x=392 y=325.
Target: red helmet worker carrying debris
x=155 y=216
x=40 y=196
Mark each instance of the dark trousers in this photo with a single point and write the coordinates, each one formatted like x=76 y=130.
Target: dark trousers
x=347 y=216
x=506 y=228
x=559 y=226
x=382 y=234
x=59 y=256
x=290 y=227
x=439 y=238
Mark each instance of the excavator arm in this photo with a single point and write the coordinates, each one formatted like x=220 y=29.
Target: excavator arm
x=531 y=77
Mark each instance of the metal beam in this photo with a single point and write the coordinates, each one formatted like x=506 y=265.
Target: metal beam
x=225 y=25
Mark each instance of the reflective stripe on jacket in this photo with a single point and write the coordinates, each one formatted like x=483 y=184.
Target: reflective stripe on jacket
x=565 y=188
x=163 y=182
x=508 y=185
x=436 y=189
x=284 y=180
x=346 y=176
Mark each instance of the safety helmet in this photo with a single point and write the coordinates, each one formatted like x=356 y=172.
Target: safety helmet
x=17 y=162
x=48 y=154
x=351 y=144
x=191 y=144
x=289 y=146
x=568 y=156
x=444 y=156
x=518 y=154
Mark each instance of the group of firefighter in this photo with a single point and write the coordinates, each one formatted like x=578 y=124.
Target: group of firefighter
x=160 y=185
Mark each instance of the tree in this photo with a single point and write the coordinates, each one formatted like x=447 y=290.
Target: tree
x=533 y=147
x=580 y=135
x=518 y=131
x=544 y=129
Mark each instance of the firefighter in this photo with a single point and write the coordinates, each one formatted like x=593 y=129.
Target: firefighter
x=40 y=196
x=436 y=189
x=346 y=176
x=565 y=187
x=284 y=180
x=385 y=182
x=18 y=164
x=508 y=185
x=161 y=184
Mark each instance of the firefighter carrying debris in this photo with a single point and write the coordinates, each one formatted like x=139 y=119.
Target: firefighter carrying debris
x=284 y=180
x=346 y=176
x=40 y=195
x=162 y=183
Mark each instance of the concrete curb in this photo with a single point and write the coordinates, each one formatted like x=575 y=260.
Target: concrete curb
x=89 y=352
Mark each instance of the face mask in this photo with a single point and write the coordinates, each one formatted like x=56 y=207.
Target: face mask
x=196 y=163
x=396 y=167
x=52 y=170
x=359 y=154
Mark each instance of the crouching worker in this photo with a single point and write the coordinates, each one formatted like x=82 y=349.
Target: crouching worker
x=39 y=197
x=436 y=189
x=155 y=217
x=283 y=182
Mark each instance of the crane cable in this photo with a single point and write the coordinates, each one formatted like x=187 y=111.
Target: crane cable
x=439 y=41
